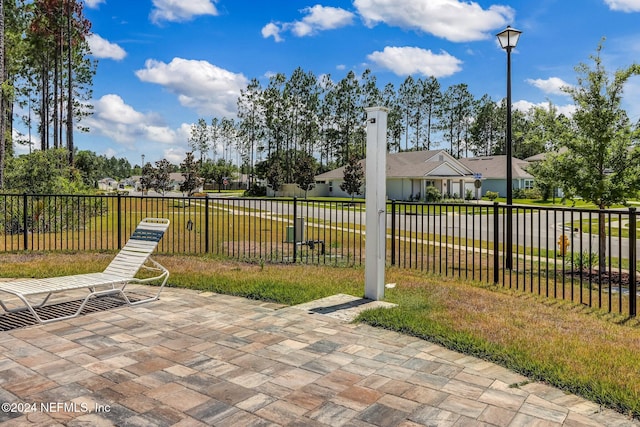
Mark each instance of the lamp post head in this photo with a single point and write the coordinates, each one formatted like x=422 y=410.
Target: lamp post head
x=508 y=37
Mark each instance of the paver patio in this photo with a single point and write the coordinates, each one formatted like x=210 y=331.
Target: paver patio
x=203 y=359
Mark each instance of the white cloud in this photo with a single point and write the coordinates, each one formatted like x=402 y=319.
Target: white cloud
x=272 y=30
x=110 y=152
x=22 y=141
x=525 y=106
x=631 y=94
x=552 y=85
x=101 y=48
x=175 y=155
x=208 y=89
x=120 y=122
x=624 y=5
x=454 y=20
x=321 y=18
x=181 y=10
x=410 y=60
x=318 y=18
x=93 y=4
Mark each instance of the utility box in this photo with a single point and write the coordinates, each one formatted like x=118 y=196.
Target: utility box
x=297 y=229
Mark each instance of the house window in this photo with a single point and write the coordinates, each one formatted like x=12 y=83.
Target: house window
x=528 y=184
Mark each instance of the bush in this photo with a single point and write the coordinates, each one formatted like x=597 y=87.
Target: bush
x=468 y=195
x=584 y=260
x=256 y=190
x=431 y=194
x=491 y=195
x=532 y=194
x=518 y=193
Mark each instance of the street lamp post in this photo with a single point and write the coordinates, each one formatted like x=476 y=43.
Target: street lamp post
x=508 y=39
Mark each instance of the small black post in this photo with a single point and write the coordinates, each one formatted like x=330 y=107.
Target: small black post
x=632 y=262
x=119 y=223
x=206 y=225
x=25 y=231
x=295 y=234
x=496 y=253
x=393 y=232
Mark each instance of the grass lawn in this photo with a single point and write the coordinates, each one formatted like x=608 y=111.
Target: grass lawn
x=581 y=350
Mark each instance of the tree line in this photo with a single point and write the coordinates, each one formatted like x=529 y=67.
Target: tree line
x=304 y=116
x=46 y=71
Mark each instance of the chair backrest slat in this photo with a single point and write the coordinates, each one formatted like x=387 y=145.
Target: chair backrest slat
x=138 y=248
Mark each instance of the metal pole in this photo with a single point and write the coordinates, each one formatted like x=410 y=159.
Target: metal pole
x=295 y=234
x=633 y=288
x=393 y=232
x=509 y=239
x=25 y=228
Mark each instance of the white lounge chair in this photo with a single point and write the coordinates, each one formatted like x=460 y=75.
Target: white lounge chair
x=134 y=256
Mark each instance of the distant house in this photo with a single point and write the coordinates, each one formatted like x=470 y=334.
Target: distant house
x=493 y=171
x=107 y=184
x=175 y=179
x=410 y=173
x=558 y=192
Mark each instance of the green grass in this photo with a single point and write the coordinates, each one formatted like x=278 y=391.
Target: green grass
x=579 y=349
x=580 y=204
x=615 y=228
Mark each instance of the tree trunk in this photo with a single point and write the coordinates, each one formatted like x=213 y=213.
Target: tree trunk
x=70 y=145
x=3 y=142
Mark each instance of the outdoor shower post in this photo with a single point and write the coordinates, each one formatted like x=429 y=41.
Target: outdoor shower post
x=375 y=202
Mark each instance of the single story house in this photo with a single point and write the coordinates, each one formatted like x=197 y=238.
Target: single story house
x=175 y=179
x=107 y=184
x=410 y=173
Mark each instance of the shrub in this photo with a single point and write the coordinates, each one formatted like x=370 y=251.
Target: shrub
x=431 y=194
x=532 y=194
x=584 y=260
x=468 y=195
x=491 y=195
x=518 y=193
x=256 y=190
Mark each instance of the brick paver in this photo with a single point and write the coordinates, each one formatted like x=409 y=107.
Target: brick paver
x=202 y=359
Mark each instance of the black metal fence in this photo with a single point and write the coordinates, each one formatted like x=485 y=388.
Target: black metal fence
x=586 y=256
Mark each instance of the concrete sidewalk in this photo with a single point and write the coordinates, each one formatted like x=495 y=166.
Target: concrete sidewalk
x=202 y=359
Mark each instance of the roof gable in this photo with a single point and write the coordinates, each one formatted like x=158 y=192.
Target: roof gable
x=495 y=167
x=414 y=164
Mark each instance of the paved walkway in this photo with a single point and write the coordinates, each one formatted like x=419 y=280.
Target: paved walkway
x=202 y=359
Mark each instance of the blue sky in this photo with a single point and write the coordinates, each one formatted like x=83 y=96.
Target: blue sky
x=165 y=63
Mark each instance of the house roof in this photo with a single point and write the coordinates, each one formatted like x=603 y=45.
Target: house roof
x=541 y=156
x=494 y=167
x=414 y=164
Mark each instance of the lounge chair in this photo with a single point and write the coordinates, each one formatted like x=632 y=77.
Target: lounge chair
x=134 y=256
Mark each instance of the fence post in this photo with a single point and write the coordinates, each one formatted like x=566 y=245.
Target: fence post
x=119 y=223
x=206 y=225
x=496 y=253
x=632 y=262
x=295 y=234
x=25 y=230
x=393 y=232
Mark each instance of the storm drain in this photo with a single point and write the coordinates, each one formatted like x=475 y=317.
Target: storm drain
x=21 y=319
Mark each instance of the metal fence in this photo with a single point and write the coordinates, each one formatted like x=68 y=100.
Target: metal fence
x=586 y=256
